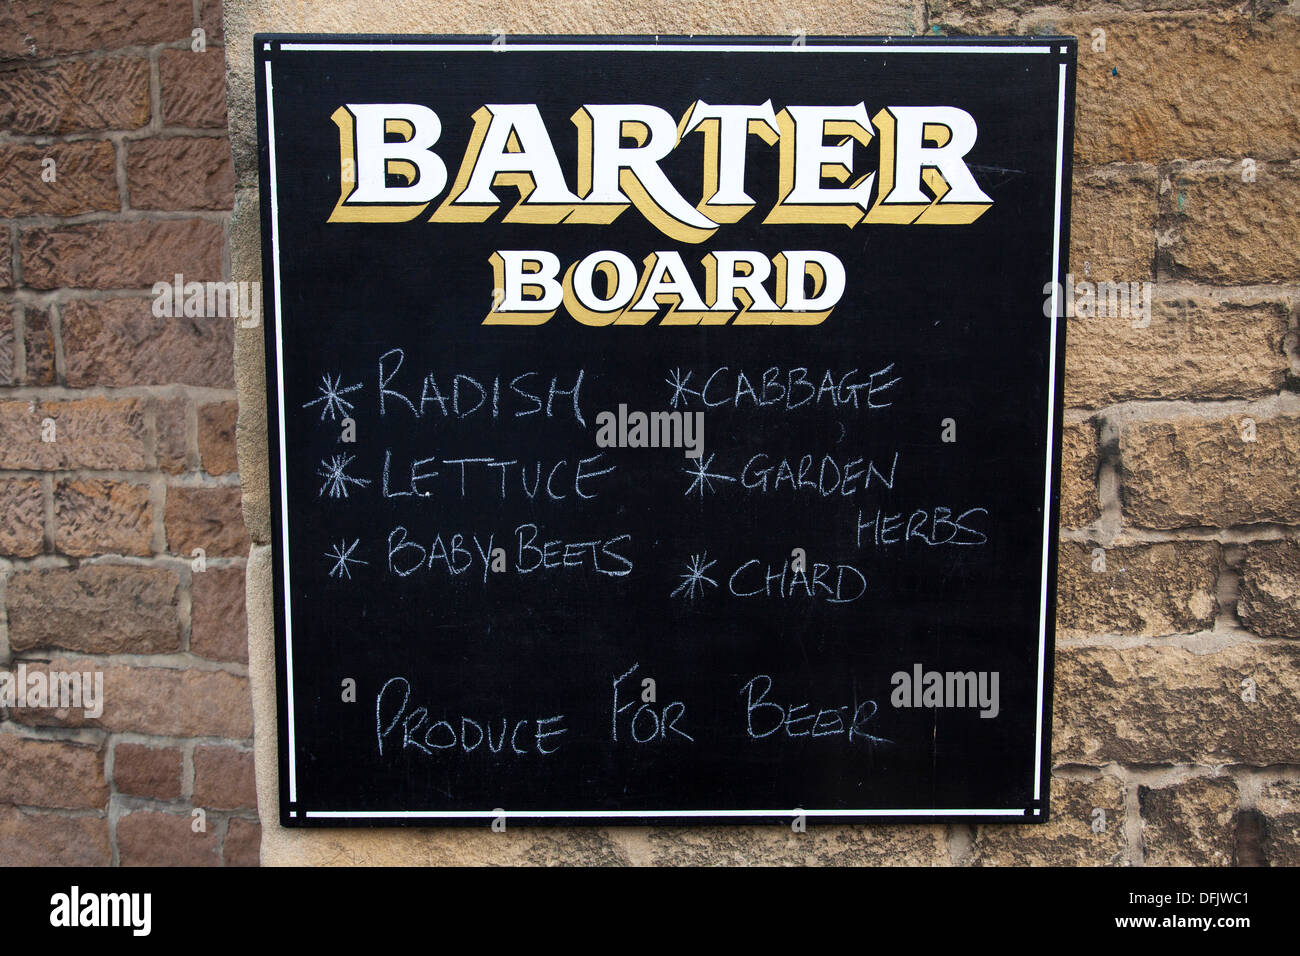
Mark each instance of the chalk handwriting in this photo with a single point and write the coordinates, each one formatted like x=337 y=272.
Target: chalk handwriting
x=786 y=389
x=462 y=395
x=764 y=717
x=400 y=729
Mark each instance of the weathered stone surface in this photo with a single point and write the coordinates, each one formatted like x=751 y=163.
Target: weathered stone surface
x=537 y=846
x=223 y=778
x=161 y=701
x=76 y=96
x=217 y=422
x=1068 y=838
x=22 y=502
x=897 y=845
x=1188 y=472
x=52 y=773
x=97 y=516
x=1193 y=823
x=207 y=518
x=219 y=624
x=6 y=260
x=118 y=342
x=39 y=347
x=44 y=839
x=94 y=609
x=145 y=771
x=1268 y=601
x=1146 y=590
x=243 y=843
x=1194 y=348
x=1226 y=231
x=1150 y=705
x=193 y=88
x=1080 y=505
x=973 y=12
x=181 y=173
x=210 y=18
x=146 y=838
x=1279 y=803
x=6 y=332
x=83 y=180
x=37 y=30
x=172 y=447
x=1113 y=224
x=92 y=256
x=1182 y=87
x=87 y=433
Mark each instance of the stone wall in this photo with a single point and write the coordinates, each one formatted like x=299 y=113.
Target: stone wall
x=1177 y=724
x=122 y=546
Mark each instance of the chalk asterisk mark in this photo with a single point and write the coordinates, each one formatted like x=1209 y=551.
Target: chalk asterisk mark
x=695 y=578
x=678 y=382
x=342 y=555
x=332 y=397
x=336 y=478
x=702 y=478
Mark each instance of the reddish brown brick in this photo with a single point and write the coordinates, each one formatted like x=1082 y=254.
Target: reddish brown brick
x=22 y=502
x=6 y=260
x=219 y=621
x=223 y=778
x=84 y=179
x=6 y=338
x=217 y=422
x=38 y=333
x=118 y=342
x=97 y=516
x=37 y=29
x=52 y=773
x=76 y=96
x=243 y=843
x=45 y=839
x=160 y=701
x=210 y=18
x=193 y=88
x=207 y=518
x=146 y=838
x=88 y=433
x=95 y=609
x=144 y=771
x=172 y=448
x=121 y=255
x=181 y=173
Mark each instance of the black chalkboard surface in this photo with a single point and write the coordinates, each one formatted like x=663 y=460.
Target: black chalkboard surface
x=663 y=429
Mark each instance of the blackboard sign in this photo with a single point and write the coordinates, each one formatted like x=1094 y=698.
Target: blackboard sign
x=663 y=429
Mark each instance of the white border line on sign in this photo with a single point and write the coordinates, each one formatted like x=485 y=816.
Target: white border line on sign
x=284 y=477
x=284 y=473
x=1051 y=431
x=553 y=814
x=650 y=48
